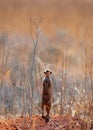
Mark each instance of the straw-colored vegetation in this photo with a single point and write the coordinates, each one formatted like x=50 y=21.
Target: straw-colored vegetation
x=21 y=78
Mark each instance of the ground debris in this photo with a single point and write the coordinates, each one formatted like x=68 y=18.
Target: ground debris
x=57 y=122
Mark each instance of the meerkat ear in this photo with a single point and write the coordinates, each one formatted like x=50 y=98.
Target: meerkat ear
x=44 y=72
x=50 y=72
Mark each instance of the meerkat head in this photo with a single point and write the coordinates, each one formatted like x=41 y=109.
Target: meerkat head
x=47 y=72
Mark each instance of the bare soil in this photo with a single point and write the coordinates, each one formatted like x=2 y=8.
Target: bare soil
x=37 y=123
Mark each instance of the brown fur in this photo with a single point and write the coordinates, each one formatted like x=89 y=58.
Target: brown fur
x=46 y=96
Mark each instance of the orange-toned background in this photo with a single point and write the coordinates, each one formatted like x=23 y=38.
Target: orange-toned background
x=74 y=15
x=71 y=20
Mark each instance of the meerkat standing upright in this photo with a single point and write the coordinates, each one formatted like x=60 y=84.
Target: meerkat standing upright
x=46 y=95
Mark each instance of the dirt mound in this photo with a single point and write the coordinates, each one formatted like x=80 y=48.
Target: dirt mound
x=37 y=123
x=59 y=123
x=4 y=125
x=21 y=123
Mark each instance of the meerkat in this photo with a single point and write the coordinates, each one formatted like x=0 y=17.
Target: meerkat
x=46 y=95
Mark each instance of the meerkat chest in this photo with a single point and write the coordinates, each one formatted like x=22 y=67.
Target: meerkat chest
x=47 y=86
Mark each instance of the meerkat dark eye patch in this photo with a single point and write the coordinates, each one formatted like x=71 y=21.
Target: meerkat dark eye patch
x=47 y=71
